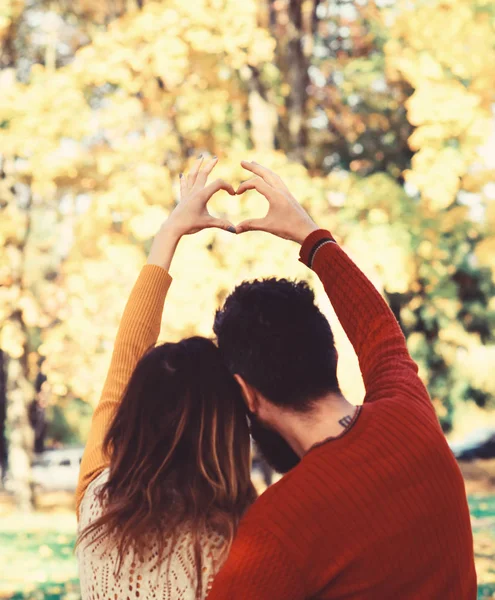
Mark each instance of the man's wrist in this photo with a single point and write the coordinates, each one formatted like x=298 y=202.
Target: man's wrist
x=305 y=232
x=312 y=243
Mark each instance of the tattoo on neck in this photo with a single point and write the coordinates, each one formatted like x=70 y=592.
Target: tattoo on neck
x=345 y=421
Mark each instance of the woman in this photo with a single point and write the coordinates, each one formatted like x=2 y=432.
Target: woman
x=165 y=476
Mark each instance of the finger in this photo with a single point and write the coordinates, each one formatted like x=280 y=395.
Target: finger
x=220 y=224
x=218 y=184
x=269 y=176
x=251 y=225
x=256 y=184
x=204 y=173
x=183 y=185
x=191 y=178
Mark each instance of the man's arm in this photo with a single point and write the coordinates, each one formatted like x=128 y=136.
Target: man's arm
x=369 y=323
x=258 y=567
x=385 y=363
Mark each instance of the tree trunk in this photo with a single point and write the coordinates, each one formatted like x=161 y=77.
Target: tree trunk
x=20 y=432
x=3 y=416
x=290 y=22
x=20 y=391
x=262 y=114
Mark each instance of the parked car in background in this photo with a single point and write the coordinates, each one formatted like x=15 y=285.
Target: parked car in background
x=479 y=444
x=57 y=470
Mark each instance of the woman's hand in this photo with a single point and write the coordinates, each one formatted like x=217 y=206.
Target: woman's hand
x=286 y=218
x=191 y=213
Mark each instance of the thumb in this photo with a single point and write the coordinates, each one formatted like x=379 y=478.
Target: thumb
x=221 y=224
x=251 y=225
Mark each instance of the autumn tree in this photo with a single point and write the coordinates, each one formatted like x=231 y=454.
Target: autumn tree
x=375 y=125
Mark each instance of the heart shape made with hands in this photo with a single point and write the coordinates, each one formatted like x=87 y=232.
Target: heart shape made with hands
x=285 y=218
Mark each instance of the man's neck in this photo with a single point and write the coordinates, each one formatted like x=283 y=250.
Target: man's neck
x=330 y=417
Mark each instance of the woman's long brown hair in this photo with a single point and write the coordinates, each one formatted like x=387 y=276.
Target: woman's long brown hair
x=179 y=450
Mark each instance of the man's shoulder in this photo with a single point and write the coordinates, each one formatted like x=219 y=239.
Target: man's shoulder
x=273 y=495
x=283 y=501
x=400 y=404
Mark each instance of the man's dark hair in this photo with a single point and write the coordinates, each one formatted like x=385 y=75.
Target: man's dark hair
x=272 y=334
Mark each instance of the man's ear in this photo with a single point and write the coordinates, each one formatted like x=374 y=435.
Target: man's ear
x=249 y=394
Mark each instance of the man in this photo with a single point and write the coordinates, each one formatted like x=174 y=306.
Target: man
x=373 y=505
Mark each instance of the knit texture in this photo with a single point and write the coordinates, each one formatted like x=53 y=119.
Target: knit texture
x=140 y=579
x=138 y=331
x=380 y=512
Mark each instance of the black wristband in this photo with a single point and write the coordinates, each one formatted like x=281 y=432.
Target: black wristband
x=314 y=249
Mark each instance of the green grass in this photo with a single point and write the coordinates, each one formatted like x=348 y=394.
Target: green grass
x=38 y=562
x=482 y=510
x=37 y=557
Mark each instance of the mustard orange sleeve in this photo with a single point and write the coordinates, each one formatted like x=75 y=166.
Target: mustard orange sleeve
x=138 y=331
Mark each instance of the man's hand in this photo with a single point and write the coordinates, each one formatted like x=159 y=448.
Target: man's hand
x=286 y=218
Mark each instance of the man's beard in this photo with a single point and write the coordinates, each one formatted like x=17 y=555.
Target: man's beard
x=272 y=446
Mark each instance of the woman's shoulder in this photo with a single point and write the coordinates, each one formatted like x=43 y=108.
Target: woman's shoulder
x=91 y=506
x=175 y=577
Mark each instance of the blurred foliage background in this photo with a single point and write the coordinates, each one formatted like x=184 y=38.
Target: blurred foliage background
x=379 y=116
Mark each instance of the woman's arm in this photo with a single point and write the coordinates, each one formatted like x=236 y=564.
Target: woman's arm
x=138 y=331
x=140 y=324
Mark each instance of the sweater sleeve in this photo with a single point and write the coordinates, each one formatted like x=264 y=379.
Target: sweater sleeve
x=370 y=325
x=138 y=331
x=258 y=567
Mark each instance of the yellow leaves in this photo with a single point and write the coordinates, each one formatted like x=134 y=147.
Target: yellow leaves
x=130 y=189
x=415 y=342
x=38 y=118
x=437 y=174
x=432 y=134
x=377 y=216
x=200 y=38
x=75 y=283
x=13 y=224
x=485 y=253
x=458 y=35
x=12 y=339
x=456 y=335
x=475 y=181
x=261 y=48
x=119 y=113
x=477 y=365
x=4 y=25
x=490 y=214
x=428 y=67
x=170 y=58
x=453 y=218
x=30 y=310
x=378 y=241
x=172 y=42
x=120 y=255
x=448 y=307
x=9 y=11
x=154 y=182
x=443 y=102
x=8 y=299
x=50 y=104
x=146 y=225
x=445 y=51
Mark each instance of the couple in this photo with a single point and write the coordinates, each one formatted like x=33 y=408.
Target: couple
x=373 y=503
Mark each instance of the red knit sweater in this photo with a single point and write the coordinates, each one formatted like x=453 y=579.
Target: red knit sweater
x=377 y=513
